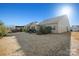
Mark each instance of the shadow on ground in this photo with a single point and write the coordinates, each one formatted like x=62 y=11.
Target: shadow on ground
x=44 y=45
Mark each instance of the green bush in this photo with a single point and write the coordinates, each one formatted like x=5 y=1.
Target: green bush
x=22 y=30
x=3 y=29
x=44 y=29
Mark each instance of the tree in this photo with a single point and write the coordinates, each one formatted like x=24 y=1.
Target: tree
x=1 y=23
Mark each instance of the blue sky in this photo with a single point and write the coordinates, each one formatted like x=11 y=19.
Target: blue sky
x=22 y=14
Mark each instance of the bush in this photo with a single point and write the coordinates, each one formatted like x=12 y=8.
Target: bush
x=3 y=30
x=44 y=29
x=22 y=29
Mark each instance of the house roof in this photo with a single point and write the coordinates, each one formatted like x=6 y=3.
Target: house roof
x=54 y=20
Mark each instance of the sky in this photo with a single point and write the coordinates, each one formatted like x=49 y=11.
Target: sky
x=24 y=13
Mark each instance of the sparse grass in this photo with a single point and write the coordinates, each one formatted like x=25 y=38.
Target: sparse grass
x=75 y=35
x=75 y=44
x=9 y=46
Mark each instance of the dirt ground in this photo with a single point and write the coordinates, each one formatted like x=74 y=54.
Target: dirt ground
x=9 y=46
x=36 y=45
x=75 y=44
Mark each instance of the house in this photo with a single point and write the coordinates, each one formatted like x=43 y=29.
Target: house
x=32 y=25
x=19 y=27
x=75 y=28
x=59 y=24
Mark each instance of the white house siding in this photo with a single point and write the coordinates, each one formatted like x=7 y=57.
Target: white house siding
x=63 y=25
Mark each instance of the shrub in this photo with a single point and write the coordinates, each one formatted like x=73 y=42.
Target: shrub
x=3 y=30
x=22 y=29
x=44 y=29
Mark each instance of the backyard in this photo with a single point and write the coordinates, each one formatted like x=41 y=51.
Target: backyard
x=22 y=43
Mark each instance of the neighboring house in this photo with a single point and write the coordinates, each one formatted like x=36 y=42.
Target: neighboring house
x=59 y=24
x=16 y=28
x=32 y=25
x=19 y=27
x=75 y=28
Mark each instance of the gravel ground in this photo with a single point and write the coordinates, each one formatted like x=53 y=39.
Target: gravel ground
x=44 y=45
x=28 y=44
